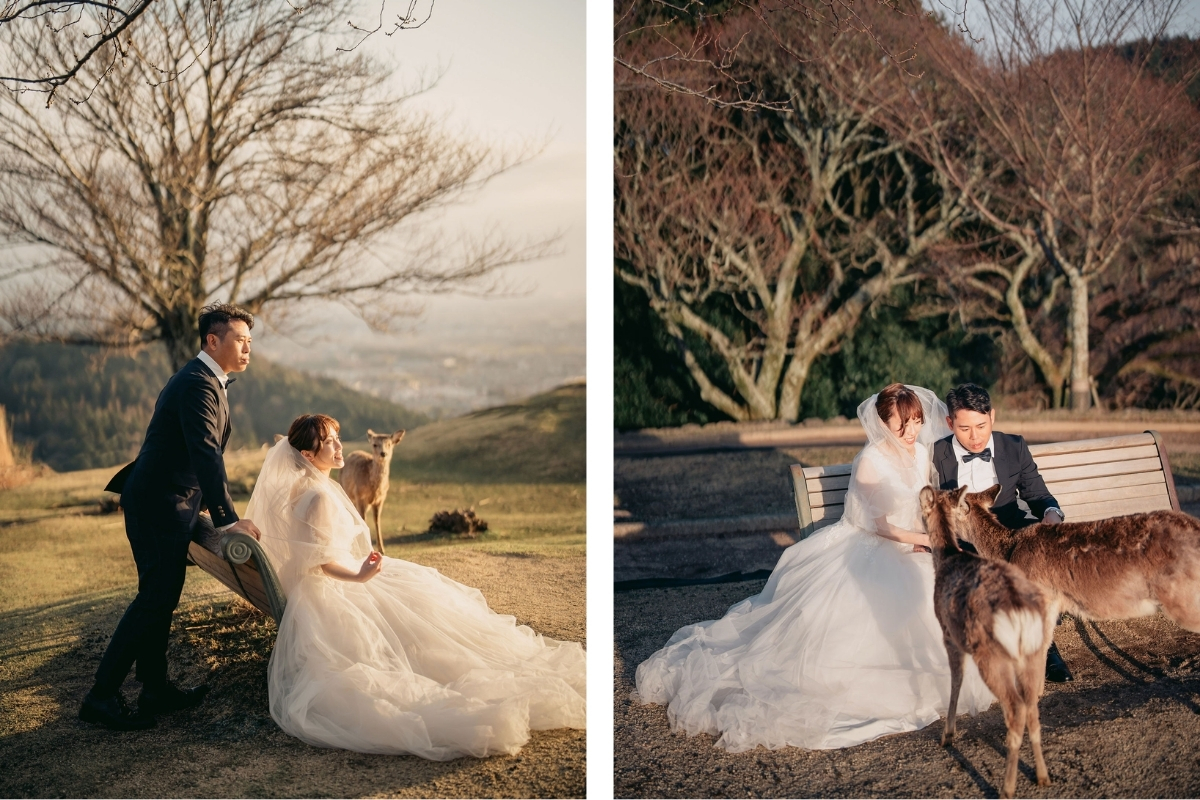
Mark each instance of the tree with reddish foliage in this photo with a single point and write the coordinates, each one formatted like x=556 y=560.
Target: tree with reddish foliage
x=1079 y=140
x=760 y=235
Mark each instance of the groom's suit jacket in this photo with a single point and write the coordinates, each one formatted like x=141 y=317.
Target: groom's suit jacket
x=181 y=465
x=1017 y=474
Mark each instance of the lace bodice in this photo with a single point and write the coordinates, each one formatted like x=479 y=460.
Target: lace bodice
x=886 y=482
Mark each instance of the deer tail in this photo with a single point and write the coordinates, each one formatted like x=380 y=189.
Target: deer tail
x=1019 y=631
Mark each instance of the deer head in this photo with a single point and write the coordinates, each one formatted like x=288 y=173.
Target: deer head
x=383 y=443
x=944 y=513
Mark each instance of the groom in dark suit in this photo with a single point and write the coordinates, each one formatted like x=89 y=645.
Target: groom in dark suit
x=179 y=469
x=977 y=457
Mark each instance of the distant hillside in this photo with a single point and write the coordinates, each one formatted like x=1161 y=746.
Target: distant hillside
x=542 y=439
x=80 y=409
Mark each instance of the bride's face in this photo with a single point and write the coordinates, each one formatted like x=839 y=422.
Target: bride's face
x=906 y=432
x=328 y=455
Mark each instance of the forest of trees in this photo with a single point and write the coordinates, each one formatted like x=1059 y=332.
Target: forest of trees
x=809 y=216
x=76 y=407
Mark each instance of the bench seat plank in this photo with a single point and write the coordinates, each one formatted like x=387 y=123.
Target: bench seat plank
x=1059 y=488
x=1125 y=493
x=1095 y=457
x=827 y=484
x=1101 y=470
x=1117 y=508
x=1082 y=445
x=827 y=498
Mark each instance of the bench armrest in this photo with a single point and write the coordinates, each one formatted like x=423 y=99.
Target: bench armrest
x=238 y=548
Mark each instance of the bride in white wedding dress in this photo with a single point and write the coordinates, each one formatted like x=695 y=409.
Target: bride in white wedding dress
x=842 y=645
x=380 y=655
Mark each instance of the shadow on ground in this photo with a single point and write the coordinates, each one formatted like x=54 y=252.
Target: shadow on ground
x=229 y=746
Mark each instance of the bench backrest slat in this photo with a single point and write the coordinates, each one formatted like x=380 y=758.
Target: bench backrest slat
x=1090 y=478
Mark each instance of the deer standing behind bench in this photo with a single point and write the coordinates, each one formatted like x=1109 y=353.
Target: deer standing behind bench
x=1115 y=568
x=988 y=608
x=365 y=476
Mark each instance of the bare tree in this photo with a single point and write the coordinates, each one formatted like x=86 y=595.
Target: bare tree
x=97 y=32
x=1084 y=141
x=685 y=47
x=761 y=236
x=89 y=30
x=247 y=166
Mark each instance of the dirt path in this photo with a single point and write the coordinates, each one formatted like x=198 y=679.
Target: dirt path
x=230 y=747
x=1126 y=727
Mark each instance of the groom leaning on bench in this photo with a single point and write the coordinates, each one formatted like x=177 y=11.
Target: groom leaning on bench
x=977 y=457
x=179 y=469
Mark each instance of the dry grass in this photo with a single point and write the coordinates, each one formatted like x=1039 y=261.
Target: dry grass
x=66 y=575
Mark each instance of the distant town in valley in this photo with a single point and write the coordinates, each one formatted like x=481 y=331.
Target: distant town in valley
x=442 y=367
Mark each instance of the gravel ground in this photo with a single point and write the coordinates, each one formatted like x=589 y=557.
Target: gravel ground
x=1126 y=727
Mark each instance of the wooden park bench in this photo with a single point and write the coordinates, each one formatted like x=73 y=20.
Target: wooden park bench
x=245 y=569
x=1090 y=479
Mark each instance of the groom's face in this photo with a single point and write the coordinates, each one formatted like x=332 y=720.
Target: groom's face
x=231 y=349
x=971 y=428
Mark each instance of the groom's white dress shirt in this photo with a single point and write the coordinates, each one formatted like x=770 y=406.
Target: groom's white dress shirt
x=224 y=380
x=216 y=368
x=976 y=474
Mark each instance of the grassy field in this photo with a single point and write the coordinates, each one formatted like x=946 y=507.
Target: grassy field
x=66 y=575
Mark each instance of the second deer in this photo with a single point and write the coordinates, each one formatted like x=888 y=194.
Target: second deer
x=365 y=476
x=989 y=610
x=1115 y=568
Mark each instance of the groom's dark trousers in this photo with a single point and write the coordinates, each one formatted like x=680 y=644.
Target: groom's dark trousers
x=179 y=470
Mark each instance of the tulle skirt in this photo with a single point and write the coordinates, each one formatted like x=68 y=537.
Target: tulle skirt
x=413 y=662
x=841 y=647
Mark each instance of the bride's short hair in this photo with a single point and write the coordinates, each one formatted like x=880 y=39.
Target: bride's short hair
x=308 y=431
x=899 y=398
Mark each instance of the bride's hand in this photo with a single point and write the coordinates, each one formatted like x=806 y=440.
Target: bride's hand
x=371 y=567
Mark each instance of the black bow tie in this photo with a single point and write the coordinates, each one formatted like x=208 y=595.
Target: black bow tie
x=985 y=454
x=229 y=381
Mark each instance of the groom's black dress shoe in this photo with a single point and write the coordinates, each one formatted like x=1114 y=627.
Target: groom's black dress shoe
x=113 y=713
x=169 y=698
x=1056 y=668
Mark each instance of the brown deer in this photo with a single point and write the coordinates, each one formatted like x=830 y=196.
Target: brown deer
x=365 y=476
x=1114 y=568
x=989 y=609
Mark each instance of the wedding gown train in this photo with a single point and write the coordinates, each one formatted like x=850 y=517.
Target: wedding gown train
x=840 y=647
x=407 y=662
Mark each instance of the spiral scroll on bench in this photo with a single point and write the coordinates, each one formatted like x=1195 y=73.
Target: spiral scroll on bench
x=238 y=552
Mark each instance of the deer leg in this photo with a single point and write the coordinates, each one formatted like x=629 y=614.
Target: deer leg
x=957 y=657
x=1014 y=720
x=378 y=524
x=1034 y=678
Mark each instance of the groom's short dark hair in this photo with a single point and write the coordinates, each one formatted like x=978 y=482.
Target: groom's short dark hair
x=969 y=397
x=215 y=319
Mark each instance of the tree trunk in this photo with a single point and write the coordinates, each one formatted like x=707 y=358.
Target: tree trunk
x=1081 y=386
x=181 y=334
x=6 y=450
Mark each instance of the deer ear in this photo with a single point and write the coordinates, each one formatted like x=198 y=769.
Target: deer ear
x=987 y=498
x=371 y=434
x=397 y=436
x=959 y=497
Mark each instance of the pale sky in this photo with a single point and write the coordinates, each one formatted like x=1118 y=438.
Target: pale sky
x=514 y=72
